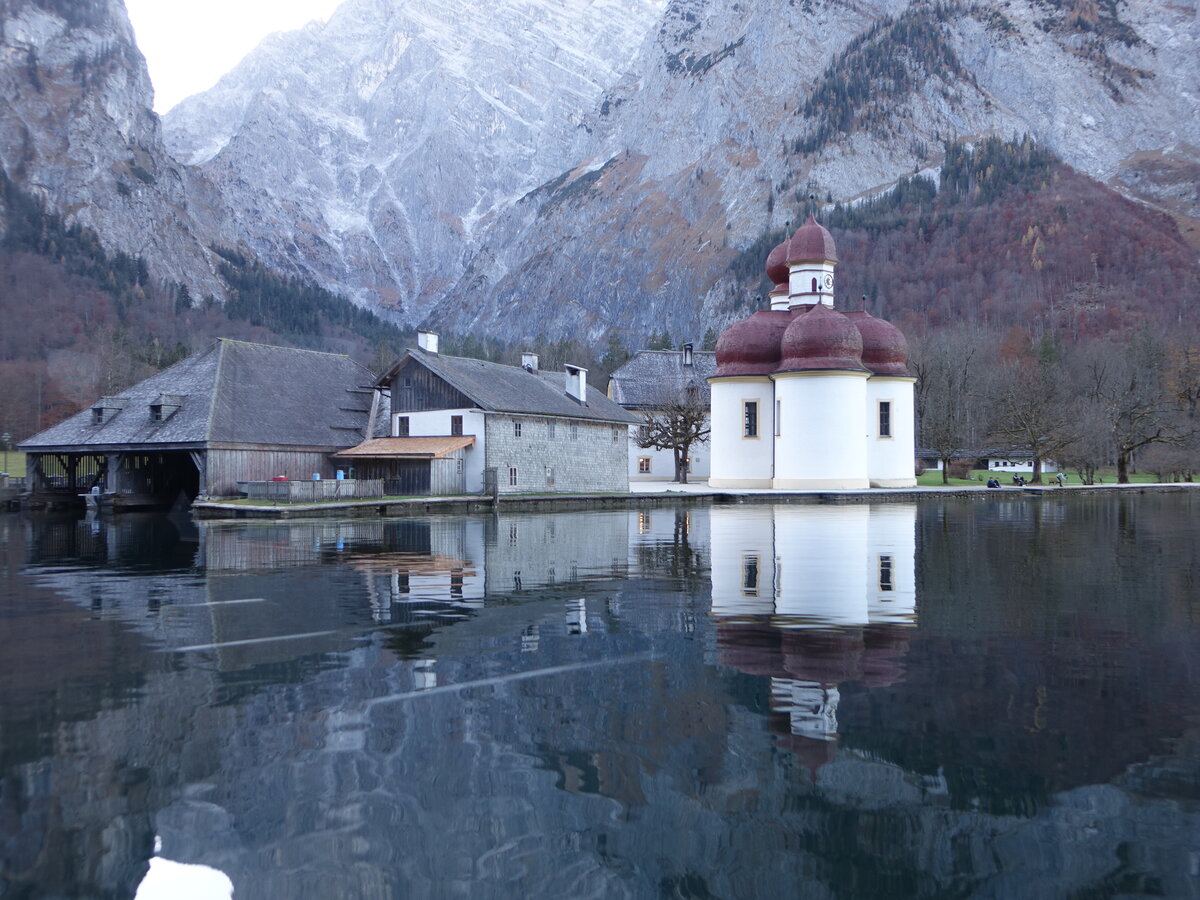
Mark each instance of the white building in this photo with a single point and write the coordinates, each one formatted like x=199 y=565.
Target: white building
x=457 y=423
x=806 y=397
x=642 y=385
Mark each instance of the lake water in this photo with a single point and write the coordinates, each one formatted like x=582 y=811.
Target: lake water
x=990 y=698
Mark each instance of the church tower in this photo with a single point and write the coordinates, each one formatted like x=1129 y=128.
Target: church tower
x=811 y=258
x=806 y=397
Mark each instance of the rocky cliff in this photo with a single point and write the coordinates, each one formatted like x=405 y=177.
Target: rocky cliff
x=565 y=172
x=79 y=133
x=744 y=111
x=373 y=153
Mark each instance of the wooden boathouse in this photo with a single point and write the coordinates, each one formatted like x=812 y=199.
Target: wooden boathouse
x=235 y=412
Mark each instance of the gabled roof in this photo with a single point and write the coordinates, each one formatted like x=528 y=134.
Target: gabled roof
x=233 y=392
x=498 y=388
x=651 y=375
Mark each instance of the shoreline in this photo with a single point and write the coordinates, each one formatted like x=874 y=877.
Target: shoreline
x=649 y=494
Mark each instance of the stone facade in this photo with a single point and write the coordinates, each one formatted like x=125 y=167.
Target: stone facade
x=581 y=456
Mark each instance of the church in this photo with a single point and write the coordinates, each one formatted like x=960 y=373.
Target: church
x=806 y=397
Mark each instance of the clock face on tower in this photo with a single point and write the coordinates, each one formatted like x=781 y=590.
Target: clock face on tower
x=828 y=281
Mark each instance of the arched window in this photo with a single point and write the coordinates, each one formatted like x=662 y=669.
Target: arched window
x=814 y=287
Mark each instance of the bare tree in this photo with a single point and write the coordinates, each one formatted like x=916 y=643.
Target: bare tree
x=1140 y=408
x=948 y=374
x=679 y=420
x=1091 y=448
x=1031 y=409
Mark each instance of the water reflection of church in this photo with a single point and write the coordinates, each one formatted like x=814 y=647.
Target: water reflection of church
x=812 y=597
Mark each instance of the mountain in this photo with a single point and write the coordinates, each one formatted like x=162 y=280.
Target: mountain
x=597 y=167
x=79 y=134
x=373 y=152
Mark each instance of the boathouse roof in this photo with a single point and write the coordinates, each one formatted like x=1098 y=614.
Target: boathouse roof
x=232 y=392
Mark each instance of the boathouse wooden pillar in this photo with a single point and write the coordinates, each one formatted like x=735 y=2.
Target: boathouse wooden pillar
x=200 y=461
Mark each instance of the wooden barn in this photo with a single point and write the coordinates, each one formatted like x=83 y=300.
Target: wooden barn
x=235 y=412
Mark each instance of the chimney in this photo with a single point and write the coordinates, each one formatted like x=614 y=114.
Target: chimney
x=427 y=341
x=687 y=353
x=529 y=362
x=577 y=383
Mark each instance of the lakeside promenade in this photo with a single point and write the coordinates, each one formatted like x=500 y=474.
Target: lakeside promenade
x=645 y=494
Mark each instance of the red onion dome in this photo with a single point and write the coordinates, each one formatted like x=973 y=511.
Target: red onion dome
x=885 y=349
x=777 y=266
x=812 y=242
x=751 y=346
x=821 y=338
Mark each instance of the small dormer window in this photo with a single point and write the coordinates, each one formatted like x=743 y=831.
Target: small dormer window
x=106 y=408
x=164 y=406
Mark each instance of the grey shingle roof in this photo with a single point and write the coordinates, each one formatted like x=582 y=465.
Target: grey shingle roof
x=234 y=392
x=642 y=382
x=499 y=388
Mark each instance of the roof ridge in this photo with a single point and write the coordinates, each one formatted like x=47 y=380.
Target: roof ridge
x=225 y=340
x=216 y=389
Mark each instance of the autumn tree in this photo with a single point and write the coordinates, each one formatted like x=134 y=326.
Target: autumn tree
x=1091 y=446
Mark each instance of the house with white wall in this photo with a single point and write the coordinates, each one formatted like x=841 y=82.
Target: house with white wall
x=642 y=385
x=532 y=431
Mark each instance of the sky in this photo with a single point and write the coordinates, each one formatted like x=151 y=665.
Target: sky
x=189 y=46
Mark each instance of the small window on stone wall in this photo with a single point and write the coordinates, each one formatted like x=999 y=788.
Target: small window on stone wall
x=516 y=429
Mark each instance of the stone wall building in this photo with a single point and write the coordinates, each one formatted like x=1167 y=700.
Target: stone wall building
x=530 y=430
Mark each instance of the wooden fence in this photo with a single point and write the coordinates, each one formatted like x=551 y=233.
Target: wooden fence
x=312 y=491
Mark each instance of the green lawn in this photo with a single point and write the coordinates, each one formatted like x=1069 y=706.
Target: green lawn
x=12 y=462
x=979 y=478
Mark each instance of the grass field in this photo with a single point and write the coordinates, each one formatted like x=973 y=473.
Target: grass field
x=979 y=478
x=12 y=462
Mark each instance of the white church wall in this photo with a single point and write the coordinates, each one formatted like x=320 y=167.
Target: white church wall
x=744 y=461
x=811 y=282
x=890 y=457
x=822 y=443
